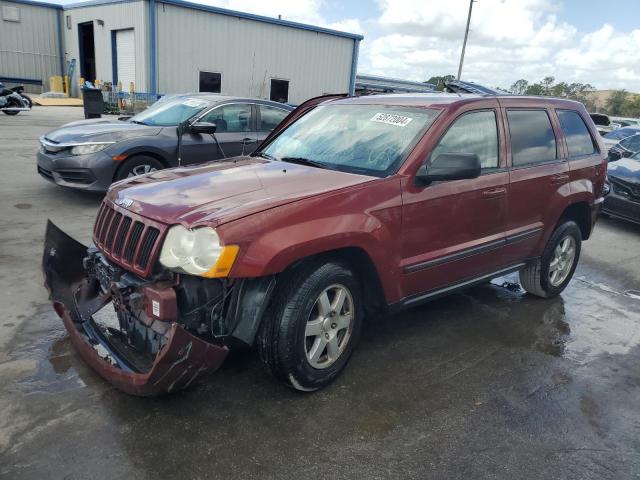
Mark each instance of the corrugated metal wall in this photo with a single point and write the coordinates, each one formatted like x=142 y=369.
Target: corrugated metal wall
x=30 y=48
x=249 y=54
x=116 y=16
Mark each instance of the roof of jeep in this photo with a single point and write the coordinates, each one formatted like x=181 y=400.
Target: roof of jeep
x=444 y=99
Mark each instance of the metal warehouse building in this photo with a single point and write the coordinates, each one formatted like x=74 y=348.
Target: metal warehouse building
x=173 y=46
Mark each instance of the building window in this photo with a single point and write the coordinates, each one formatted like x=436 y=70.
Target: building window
x=279 y=90
x=210 y=82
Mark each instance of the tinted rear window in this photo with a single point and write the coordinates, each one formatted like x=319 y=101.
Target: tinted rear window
x=577 y=134
x=532 y=137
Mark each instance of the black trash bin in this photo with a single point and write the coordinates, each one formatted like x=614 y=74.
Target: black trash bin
x=93 y=103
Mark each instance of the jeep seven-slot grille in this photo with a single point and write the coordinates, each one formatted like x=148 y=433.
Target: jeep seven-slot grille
x=127 y=239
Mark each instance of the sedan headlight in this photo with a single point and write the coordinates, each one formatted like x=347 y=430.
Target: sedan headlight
x=89 y=148
x=197 y=252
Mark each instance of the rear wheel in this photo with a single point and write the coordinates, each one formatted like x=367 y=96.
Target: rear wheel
x=311 y=326
x=138 y=165
x=551 y=274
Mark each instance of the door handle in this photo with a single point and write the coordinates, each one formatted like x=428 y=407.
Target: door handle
x=494 y=193
x=559 y=179
x=247 y=141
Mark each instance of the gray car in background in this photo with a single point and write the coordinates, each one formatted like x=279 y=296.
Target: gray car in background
x=91 y=154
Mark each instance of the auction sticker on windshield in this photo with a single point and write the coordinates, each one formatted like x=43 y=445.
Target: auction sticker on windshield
x=392 y=119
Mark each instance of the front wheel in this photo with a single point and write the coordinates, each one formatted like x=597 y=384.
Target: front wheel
x=12 y=103
x=138 y=165
x=311 y=326
x=552 y=272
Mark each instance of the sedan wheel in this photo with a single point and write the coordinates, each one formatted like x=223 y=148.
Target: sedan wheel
x=140 y=170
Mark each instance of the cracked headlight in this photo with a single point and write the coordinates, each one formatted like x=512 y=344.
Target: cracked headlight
x=197 y=252
x=90 y=148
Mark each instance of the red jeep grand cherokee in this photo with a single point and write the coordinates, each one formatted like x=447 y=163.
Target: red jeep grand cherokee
x=351 y=205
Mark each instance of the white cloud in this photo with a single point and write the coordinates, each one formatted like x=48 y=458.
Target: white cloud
x=509 y=39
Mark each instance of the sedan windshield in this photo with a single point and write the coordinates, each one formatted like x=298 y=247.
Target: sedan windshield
x=621 y=133
x=171 y=112
x=369 y=139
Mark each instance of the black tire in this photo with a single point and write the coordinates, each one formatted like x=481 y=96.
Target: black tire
x=535 y=278
x=282 y=341
x=28 y=99
x=131 y=165
x=12 y=102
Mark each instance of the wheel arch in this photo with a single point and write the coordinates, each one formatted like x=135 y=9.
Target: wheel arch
x=140 y=153
x=579 y=212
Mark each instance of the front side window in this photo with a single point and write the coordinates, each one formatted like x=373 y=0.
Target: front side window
x=369 y=139
x=170 y=112
x=210 y=82
x=532 y=137
x=579 y=141
x=270 y=117
x=230 y=118
x=474 y=132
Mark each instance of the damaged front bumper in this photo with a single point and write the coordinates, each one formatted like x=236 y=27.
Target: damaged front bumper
x=179 y=357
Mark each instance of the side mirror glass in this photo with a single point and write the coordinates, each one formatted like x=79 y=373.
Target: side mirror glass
x=203 y=128
x=450 y=166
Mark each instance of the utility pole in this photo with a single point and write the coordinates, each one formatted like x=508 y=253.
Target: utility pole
x=464 y=43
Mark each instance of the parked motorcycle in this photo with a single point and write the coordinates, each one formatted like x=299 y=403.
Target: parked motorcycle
x=20 y=90
x=12 y=102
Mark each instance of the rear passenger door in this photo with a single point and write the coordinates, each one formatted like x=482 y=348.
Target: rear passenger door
x=538 y=176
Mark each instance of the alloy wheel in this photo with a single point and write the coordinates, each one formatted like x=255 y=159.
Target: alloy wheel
x=562 y=261
x=329 y=327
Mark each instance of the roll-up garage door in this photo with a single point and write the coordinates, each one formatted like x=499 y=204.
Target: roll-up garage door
x=126 y=58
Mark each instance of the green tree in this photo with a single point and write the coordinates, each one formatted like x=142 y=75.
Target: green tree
x=616 y=102
x=440 y=81
x=519 y=87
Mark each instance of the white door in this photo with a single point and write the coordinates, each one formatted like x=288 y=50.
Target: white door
x=126 y=58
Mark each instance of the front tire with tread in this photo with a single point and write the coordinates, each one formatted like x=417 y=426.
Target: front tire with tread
x=281 y=338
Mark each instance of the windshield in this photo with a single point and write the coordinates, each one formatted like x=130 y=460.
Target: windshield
x=621 y=133
x=369 y=139
x=167 y=113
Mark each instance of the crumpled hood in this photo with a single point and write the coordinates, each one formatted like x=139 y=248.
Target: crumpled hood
x=219 y=192
x=103 y=130
x=627 y=169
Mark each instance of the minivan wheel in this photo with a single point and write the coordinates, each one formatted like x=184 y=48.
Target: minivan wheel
x=550 y=274
x=138 y=165
x=311 y=326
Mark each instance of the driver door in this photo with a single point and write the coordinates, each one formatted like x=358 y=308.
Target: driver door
x=454 y=230
x=236 y=134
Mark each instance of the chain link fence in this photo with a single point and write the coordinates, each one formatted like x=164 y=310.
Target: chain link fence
x=127 y=103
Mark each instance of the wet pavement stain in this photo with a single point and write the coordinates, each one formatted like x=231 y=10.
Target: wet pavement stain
x=23 y=206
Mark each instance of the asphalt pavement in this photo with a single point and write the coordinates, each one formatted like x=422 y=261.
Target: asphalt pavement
x=489 y=383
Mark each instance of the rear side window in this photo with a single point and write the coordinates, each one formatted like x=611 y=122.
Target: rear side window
x=270 y=117
x=579 y=140
x=532 y=137
x=474 y=132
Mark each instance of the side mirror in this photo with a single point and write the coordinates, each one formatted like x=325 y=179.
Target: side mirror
x=203 y=128
x=450 y=166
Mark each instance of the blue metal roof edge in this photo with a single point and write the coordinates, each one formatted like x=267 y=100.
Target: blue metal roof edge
x=37 y=4
x=225 y=11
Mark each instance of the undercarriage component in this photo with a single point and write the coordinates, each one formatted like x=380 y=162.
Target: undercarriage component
x=178 y=357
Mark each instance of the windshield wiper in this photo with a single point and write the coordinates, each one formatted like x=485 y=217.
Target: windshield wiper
x=264 y=155
x=304 y=161
x=138 y=122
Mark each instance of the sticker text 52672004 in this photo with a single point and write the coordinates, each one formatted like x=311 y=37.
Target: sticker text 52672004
x=391 y=119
